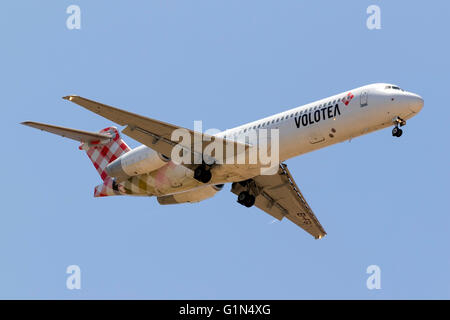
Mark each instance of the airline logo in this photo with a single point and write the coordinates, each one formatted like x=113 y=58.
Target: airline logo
x=314 y=116
x=348 y=98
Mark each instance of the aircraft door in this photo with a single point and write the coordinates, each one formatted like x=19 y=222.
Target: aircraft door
x=364 y=98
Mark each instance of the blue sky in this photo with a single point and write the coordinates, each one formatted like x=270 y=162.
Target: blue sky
x=383 y=201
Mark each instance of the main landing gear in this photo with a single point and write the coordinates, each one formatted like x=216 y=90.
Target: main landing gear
x=245 y=197
x=396 y=131
x=203 y=173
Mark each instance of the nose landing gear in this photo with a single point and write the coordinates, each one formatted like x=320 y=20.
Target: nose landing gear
x=396 y=131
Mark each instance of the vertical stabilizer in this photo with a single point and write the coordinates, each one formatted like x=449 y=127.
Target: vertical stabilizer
x=102 y=153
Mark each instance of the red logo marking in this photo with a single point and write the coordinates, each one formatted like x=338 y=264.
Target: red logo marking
x=348 y=98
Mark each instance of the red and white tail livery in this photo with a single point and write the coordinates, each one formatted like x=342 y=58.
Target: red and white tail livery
x=103 y=153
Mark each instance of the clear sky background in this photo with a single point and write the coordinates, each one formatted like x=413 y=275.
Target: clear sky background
x=382 y=200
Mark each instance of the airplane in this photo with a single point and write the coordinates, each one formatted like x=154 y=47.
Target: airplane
x=149 y=170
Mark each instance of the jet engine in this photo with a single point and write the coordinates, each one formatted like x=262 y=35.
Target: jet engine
x=137 y=161
x=195 y=195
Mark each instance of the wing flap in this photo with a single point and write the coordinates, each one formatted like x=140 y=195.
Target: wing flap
x=279 y=196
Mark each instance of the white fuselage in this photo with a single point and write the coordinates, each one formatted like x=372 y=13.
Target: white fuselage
x=302 y=129
x=328 y=121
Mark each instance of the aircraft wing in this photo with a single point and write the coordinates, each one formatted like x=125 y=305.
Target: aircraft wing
x=279 y=196
x=153 y=133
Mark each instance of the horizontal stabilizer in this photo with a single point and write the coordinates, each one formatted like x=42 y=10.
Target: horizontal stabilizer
x=78 y=135
x=101 y=147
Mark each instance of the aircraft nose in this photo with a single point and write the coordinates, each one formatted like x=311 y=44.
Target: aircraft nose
x=415 y=102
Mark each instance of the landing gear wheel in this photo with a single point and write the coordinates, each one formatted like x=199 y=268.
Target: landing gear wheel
x=242 y=196
x=246 y=199
x=206 y=177
x=202 y=174
x=397 y=132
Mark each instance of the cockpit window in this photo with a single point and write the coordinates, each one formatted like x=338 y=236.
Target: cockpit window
x=394 y=87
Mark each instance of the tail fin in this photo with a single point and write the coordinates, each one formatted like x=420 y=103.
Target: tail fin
x=102 y=153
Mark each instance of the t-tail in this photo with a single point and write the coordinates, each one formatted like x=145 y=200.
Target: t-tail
x=101 y=147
